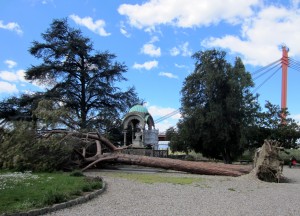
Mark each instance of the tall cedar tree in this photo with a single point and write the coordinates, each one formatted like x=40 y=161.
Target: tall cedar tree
x=78 y=77
x=217 y=106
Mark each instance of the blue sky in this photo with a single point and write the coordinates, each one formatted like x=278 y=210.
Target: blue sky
x=155 y=40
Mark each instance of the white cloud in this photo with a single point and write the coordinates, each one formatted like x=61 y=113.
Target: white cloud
x=151 y=50
x=158 y=112
x=180 y=66
x=12 y=26
x=97 y=26
x=183 y=13
x=183 y=49
x=154 y=39
x=6 y=87
x=169 y=75
x=164 y=125
x=174 y=51
x=21 y=75
x=10 y=63
x=124 y=31
x=262 y=35
x=13 y=76
x=147 y=65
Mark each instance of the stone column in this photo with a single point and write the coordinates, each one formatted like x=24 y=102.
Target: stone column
x=125 y=137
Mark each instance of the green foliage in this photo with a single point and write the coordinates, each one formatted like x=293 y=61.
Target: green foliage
x=19 y=109
x=21 y=150
x=76 y=173
x=270 y=125
x=54 y=197
x=176 y=142
x=21 y=192
x=287 y=154
x=217 y=106
x=81 y=81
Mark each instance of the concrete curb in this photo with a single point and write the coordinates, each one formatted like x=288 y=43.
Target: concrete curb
x=63 y=205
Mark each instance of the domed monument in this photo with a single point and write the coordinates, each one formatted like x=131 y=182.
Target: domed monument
x=138 y=128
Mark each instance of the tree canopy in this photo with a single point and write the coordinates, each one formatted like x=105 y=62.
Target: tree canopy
x=217 y=106
x=78 y=77
x=271 y=125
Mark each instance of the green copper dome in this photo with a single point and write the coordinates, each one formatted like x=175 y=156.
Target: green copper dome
x=138 y=108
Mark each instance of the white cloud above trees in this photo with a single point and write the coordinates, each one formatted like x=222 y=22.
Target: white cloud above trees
x=11 y=26
x=183 y=49
x=17 y=76
x=186 y=14
x=96 y=26
x=261 y=36
x=146 y=65
x=10 y=63
x=169 y=75
x=151 y=49
x=6 y=87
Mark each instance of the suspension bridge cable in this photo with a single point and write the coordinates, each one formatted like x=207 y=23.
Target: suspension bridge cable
x=265 y=67
x=294 y=64
x=297 y=62
x=167 y=116
x=295 y=67
x=269 y=69
x=268 y=78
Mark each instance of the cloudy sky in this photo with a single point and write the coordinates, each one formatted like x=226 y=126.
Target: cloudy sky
x=155 y=40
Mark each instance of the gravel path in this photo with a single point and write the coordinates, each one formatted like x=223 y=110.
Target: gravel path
x=211 y=195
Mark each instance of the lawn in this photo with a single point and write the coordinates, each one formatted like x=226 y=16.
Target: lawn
x=25 y=191
x=157 y=178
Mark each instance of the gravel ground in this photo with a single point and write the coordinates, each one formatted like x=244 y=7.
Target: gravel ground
x=211 y=195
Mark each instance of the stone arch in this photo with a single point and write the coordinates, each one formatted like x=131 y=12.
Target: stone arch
x=139 y=125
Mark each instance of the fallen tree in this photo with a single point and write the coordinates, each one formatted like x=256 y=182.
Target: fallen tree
x=113 y=154
x=267 y=164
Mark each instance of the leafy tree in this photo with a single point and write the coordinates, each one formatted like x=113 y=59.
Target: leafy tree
x=217 y=106
x=270 y=125
x=176 y=141
x=78 y=78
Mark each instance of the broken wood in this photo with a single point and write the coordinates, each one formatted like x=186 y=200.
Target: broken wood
x=204 y=168
x=267 y=164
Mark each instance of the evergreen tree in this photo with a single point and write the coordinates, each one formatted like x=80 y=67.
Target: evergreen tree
x=217 y=106
x=79 y=78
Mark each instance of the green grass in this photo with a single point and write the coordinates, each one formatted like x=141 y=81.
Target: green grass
x=157 y=178
x=21 y=192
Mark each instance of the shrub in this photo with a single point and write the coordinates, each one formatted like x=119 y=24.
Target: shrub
x=77 y=173
x=21 y=149
x=54 y=197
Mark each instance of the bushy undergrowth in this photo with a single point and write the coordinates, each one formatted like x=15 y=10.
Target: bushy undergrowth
x=23 y=149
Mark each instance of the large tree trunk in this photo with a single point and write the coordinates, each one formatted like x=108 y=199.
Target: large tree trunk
x=205 y=168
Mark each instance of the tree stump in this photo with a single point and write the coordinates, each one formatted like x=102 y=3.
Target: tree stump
x=267 y=164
